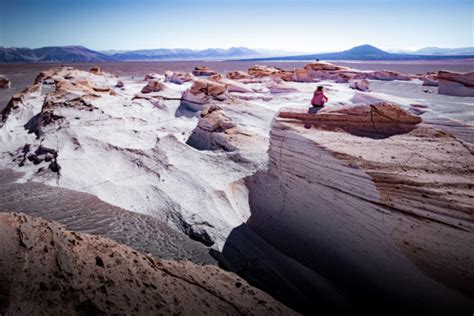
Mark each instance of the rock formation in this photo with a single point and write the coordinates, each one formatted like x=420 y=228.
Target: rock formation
x=46 y=269
x=203 y=71
x=4 y=83
x=231 y=85
x=96 y=70
x=387 y=75
x=202 y=91
x=361 y=85
x=377 y=120
x=281 y=87
x=210 y=130
x=384 y=199
x=456 y=84
x=262 y=71
x=238 y=75
x=429 y=80
x=154 y=86
x=178 y=77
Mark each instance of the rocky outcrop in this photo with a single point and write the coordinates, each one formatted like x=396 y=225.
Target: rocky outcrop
x=262 y=71
x=65 y=272
x=456 y=84
x=377 y=120
x=203 y=91
x=210 y=133
x=203 y=71
x=96 y=70
x=154 y=86
x=387 y=75
x=238 y=75
x=231 y=85
x=178 y=77
x=4 y=83
x=391 y=216
x=429 y=80
x=361 y=85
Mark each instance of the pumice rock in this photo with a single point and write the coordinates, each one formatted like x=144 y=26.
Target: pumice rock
x=456 y=84
x=4 y=83
x=154 y=86
x=178 y=77
x=377 y=120
x=203 y=71
x=361 y=85
x=70 y=273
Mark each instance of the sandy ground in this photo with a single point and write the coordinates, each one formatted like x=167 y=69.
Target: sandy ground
x=85 y=213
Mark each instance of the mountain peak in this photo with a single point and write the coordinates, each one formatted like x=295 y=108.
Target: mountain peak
x=366 y=49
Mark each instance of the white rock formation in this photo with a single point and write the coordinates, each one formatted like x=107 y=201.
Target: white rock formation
x=125 y=151
x=361 y=85
x=371 y=189
x=456 y=84
x=178 y=77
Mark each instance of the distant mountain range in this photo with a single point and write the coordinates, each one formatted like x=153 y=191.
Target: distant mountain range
x=83 y=54
x=367 y=52
x=50 y=54
x=436 y=51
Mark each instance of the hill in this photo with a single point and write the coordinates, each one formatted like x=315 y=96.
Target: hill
x=50 y=54
x=364 y=52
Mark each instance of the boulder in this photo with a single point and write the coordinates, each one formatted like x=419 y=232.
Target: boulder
x=361 y=85
x=456 y=84
x=4 y=83
x=262 y=71
x=203 y=71
x=202 y=91
x=96 y=70
x=231 y=85
x=213 y=119
x=237 y=75
x=153 y=75
x=69 y=273
x=119 y=84
x=301 y=75
x=154 y=86
x=211 y=131
x=322 y=66
x=178 y=77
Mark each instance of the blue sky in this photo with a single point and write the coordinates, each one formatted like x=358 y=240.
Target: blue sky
x=294 y=25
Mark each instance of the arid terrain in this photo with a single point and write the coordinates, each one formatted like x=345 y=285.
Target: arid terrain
x=363 y=206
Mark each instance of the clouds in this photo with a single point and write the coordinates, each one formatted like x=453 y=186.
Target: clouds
x=300 y=25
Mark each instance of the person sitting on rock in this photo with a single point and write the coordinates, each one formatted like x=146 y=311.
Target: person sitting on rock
x=317 y=102
x=319 y=98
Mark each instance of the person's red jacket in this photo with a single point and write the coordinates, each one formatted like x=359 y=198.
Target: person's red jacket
x=319 y=98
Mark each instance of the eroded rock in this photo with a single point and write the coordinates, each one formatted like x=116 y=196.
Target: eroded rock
x=203 y=71
x=456 y=84
x=70 y=273
x=154 y=86
x=377 y=120
x=4 y=83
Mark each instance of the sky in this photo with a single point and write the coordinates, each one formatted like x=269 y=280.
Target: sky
x=291 y=25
